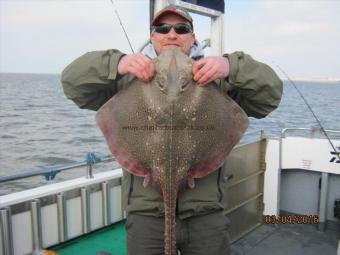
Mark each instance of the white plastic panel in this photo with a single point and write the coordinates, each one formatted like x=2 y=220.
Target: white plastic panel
x=22 y=232
x=116 y=204
x=21 y=223
x=299 y=192
x=74 y=217
x=309 y=154
x=49 y=225
x=55 y=188
x=271 y=178
x=96 y=210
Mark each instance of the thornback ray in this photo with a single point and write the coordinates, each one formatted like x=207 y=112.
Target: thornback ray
x=170 y=130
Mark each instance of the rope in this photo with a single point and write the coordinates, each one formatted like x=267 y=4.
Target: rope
x=91 y=158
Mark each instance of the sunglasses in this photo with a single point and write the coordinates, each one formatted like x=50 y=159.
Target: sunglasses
x=180 y=28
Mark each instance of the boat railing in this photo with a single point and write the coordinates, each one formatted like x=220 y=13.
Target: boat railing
x=50 y=172
x=261 y=131
x=307 y=161
x=312 y=131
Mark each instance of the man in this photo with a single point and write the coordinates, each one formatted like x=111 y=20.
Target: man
x=95 y=77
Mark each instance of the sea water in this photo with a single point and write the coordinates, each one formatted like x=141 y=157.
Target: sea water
x=39 y=127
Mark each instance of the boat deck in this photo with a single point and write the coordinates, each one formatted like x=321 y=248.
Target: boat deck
x=288 y=239
x=292 y=239
x=110 y=240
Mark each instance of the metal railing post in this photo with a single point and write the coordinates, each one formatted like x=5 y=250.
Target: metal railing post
x=85 y=210
x=62 y=217
x=6 y=231
x=36 y=226
x=323 y=202
x=106 y=204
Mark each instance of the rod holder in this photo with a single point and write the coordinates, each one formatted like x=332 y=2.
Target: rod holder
x=89 y=171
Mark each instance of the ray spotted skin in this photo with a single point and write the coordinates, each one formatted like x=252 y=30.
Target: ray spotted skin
x=171 y=131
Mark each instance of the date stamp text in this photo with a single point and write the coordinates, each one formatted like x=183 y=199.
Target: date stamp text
x=291 y=219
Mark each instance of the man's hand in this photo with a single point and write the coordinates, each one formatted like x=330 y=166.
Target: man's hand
x=209 y=69
x=137 y=64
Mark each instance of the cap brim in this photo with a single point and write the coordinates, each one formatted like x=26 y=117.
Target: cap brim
x=155 y=19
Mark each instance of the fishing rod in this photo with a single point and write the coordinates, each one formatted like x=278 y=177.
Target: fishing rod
x=121 y=24
x=285 y=74
x=311 y=110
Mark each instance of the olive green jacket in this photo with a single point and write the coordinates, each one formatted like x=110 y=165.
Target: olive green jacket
x=92 y=79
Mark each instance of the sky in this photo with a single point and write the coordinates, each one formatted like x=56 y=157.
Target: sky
x=300 y=36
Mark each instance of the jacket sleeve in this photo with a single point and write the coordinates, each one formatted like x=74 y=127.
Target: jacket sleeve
x=92 y=79
x=253 y=85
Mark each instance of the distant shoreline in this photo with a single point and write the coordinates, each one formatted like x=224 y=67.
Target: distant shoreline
x=29 y=73
x=284 y=79
x=314 y=80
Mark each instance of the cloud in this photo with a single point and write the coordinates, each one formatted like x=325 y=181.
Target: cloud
x=47 y=35
x=44 y=36
x=296 y=34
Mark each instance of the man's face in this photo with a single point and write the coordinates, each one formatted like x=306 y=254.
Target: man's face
x=162 y=42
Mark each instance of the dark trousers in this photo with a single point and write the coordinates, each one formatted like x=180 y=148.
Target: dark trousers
x=199 y=235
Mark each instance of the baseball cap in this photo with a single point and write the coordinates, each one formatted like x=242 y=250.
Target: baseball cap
x=172 y=9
